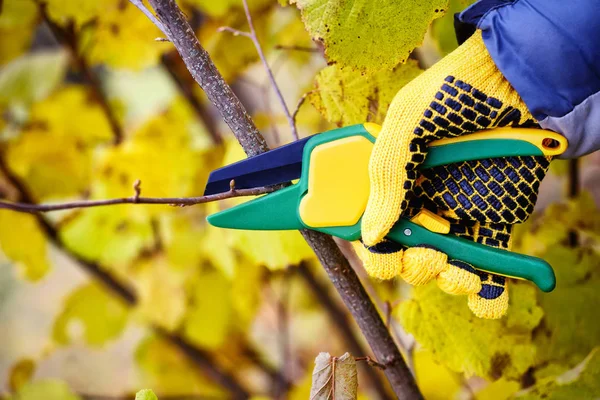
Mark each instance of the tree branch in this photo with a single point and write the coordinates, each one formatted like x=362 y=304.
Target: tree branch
x=67 y=37
x=135 y=199
x=342 y=275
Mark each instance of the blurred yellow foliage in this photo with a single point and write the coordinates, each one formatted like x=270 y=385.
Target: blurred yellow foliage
x=17 y=22
x=31 y=259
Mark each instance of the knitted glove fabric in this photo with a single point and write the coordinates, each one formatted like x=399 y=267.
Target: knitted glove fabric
x=463 y=93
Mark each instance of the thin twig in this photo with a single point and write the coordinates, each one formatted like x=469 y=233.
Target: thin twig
x=253 y=36
x=300 y=102
x=135 y=199
x=236 y=32
x=68 y=37
x=371 y=362
x=297 y=48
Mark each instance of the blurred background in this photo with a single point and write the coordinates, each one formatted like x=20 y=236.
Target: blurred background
x=99 y=303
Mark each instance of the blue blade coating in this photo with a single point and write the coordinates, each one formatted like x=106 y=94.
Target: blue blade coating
x=275 y=166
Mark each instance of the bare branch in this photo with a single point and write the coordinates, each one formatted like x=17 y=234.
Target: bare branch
x=252 y=35
x=371 y=362
x=135 y=199
x=342 y=276
x=140 y=5
x=236 y=32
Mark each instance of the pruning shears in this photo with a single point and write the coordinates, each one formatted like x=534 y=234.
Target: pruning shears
x=333 y=189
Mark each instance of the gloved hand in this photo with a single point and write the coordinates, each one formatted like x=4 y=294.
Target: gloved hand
x=463 y=93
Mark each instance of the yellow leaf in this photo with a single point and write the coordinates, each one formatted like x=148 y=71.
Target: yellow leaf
x=17 y=25
x=93 y=314
x=581 y=382
x=434 y=380
x=372 y=34
x=51 y=170
x=210 y=316
x=571 y=328
x=161 y=292
x=123 y=37
x=444 y=325
x=110 y=235
x=169 y=372
x=502 y=389
x=47 y=389
x=274 y=249
x=346 y=97
x=246 y=293
x=23 y=241
x=223 y=8
x=163 y=153
x=80 y=12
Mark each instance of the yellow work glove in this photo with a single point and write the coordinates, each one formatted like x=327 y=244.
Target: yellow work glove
x=463 y=93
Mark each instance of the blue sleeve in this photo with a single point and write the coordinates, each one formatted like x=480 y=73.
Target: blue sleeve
x=549 y=50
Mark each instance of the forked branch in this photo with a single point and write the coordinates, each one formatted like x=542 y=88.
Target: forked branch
x=342 y=276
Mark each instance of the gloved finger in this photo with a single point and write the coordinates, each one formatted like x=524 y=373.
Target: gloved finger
x=459 y=278
x=491 y=302
x=382 y=261
x=422 y=264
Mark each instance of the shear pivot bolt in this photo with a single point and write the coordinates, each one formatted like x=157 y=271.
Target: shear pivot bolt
x=407 y=232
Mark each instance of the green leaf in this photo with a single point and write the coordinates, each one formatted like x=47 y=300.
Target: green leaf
x=145 y=394
x=444 y=325
x=47 y=389
x=92 y=313
x=334 y=378
x=346 y=97
x=581 y=382
x=32 y=77
x=32 y=258
x=371 y=34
